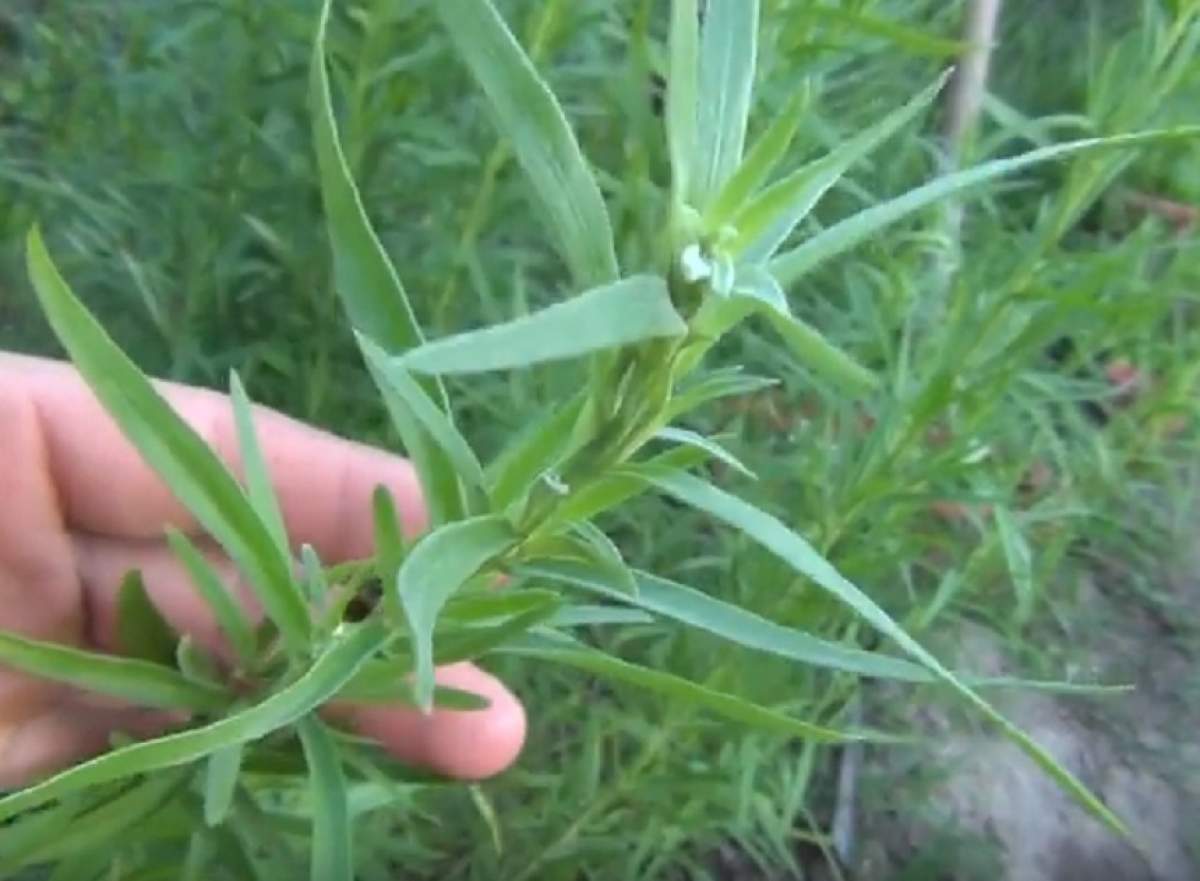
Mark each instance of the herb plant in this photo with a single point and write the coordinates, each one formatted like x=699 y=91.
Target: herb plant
x=728 y=253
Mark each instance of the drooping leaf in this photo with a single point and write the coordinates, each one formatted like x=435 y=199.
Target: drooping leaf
x=624 y=312
x=542 y=139
x=259 y=487
x=332 y=836
x=318 y=684
x=142 y=632
x=561 y=649
x=759 y=163
x=729 y=622
x=141 y=682
x=220 y=782
x=804 y=559
x=229 y=615
x=766 y=222
x=710 y=446
x=435 y=568
x=829 y=243
x=728 y=56
x=172 y=448
x=683 y=96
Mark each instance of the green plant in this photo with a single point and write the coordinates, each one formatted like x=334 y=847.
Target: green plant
x=529 y=514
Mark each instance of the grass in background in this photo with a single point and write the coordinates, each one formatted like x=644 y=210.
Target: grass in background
x=169 y=152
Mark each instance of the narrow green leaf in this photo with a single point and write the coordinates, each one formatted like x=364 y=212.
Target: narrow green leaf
x=333 y=669
x=804 y=559
x=683 y=96
x=597 y=616
x=73 y=831
x=624 y=312
x=762 y=159
x=220 y=782
x=170 y=446
x=1020 y=561
x=729 y=622
x=803 y=340
x=561 y=649
x=539 y=451
x=196 y=664
x=829 y=243
x=449 y=458
x=542 y=139
x=389 y=537
x=232 y=620
x=766 y=222
x=724 y=383
x=435 y=569
x=492 y=605
x=600 y=551
x=316 y=586
x=710 y=446
x=385 y=682
x=913 y=40
x=369 y=287
x=468 y=643
x=259 y=487
x=728 y=56
x=333 y=836
x=488 y=814
x=142 y=632
x=601 y=494
x=141 y=682
x=365 y=279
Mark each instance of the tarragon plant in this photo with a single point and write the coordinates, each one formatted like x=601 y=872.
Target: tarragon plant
x=526 y=519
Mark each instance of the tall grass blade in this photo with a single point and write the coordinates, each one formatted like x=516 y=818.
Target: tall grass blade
x=259 y=487
x=728 y=57
x=683 y=96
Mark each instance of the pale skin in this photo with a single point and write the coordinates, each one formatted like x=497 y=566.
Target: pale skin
x=79 y=508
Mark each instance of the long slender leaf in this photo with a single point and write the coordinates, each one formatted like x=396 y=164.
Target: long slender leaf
x=683 y=96
x=319 y=683
x=563 y=650
x=332 y=838
x=370 y=289
x=762 y=159
x=724 y=383
x=728 y=55
x=710 y=446
x=729 y=622
x=804 y=559
x=766 y=222
x=539 y=451
x=829 y=243
x=141 y=682
x=435 y=569
x=450 y=467
x=220 y=782
x=628 y=311
x=259 y=487
x=170 y=446
x=542 y=140
x=142 y=632
x=230 y=617
x=1019 y=559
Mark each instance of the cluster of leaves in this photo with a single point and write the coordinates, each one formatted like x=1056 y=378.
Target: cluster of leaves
x=527 y=516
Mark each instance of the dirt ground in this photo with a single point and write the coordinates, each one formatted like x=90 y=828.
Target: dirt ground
x=991 y=814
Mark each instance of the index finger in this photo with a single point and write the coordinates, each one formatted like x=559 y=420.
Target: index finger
x=324 y=483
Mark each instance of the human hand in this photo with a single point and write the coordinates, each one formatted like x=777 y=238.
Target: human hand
x=79 y=509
